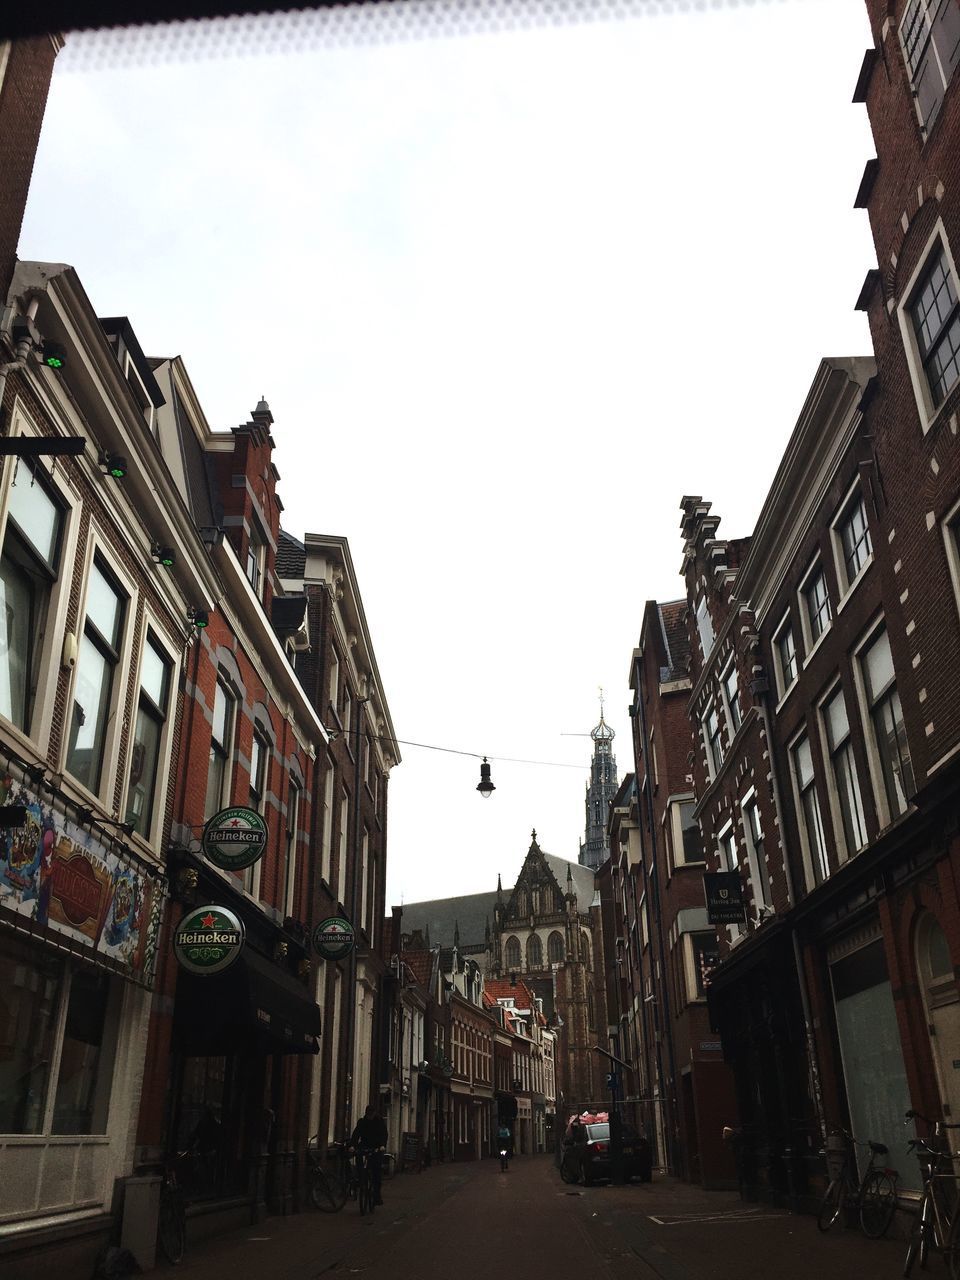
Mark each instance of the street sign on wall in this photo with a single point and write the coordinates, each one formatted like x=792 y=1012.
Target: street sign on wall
x=234 y=838
x=208 y=940
x=334 y=938
x=724 y=895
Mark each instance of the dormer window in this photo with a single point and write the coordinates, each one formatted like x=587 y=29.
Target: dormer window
x=256 y=559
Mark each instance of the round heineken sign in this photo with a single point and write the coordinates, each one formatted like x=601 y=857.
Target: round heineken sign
x=208 y=940
x=235 y=838
x=334 y=938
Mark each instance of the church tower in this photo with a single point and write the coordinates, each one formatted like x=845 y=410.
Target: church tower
x=601 y=789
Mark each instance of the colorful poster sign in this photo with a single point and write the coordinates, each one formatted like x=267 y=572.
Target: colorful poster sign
x=235 y=838
x=334 y=938
x=62 y=876
x=208 y=940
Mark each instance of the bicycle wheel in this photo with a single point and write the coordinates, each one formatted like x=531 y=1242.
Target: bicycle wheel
x=952 y=1248
x=830 y=1205
x=569 y=1172
x=387 y=1164
x=878 y=1203
x=365 y=1194
x=171 y=1227
x=917 y=1246
x=327 y=1192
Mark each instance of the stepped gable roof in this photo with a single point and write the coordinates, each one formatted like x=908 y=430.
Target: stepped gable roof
x=291 y=559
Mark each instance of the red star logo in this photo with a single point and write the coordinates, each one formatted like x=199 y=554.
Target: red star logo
x=209 y=921
x=235 y=822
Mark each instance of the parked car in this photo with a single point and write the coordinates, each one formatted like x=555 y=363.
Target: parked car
x=586 y=1154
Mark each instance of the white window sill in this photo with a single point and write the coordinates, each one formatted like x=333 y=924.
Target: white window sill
x=812 y=649
x=786 y=693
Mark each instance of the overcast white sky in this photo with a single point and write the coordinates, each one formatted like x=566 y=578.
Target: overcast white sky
x=509 y=296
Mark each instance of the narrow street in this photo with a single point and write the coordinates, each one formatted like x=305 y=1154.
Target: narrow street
x=470 y=1222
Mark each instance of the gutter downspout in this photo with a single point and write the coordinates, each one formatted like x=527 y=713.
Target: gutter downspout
x=664 y=994
x=354 y=896
x=792 y=900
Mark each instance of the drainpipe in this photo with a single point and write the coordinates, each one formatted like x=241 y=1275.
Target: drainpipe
x=663 y=997
x=23 y=348
x=354 y=904
x=762 y=705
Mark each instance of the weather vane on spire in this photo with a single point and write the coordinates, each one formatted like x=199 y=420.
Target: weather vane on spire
x=601 y=702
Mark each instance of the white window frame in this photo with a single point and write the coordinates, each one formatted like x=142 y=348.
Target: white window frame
x=784 y=688
x=326 y=837
x=759 y=876
x=807 y=853
x=731 y=670
x=97 y=546
x=674 y=806
x=713 y=764
x=811 y=642
x=725 y=857
x=294 y=788
x=848 y=585
x=703 y=619
x=924 y=6
x=151 y=627
x=49 y=662
x=929 y=412
x=844 y=852
x=877 y=781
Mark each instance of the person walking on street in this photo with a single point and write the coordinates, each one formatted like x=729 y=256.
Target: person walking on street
x=505 y=1138
x=370 y=1136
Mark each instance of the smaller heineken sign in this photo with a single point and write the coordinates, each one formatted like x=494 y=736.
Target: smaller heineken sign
x=235 y=838
x=208 y=940
x=334 y=938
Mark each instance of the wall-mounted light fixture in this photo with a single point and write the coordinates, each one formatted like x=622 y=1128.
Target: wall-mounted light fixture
x=163 y=555
x=113 y=464
x=199 y=617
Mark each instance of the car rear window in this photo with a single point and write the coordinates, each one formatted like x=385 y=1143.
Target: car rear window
x=597 y=1132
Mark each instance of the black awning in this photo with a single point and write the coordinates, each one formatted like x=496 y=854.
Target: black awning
x=255 y=1007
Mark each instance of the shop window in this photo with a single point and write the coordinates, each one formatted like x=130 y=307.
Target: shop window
x=941 y=997
x=58 y=1025
x=706 y=954
x=556 y=952
x=891 y=750
x=210 y=1128
x=846 y=787
x=930 y=37
x=221 y=749
x=511 y=954
x=86 y=1056
x=152 y=711
x=99 y=657
x=30 y=987
x=29 y=566
x=534 y=952
x=808 y=804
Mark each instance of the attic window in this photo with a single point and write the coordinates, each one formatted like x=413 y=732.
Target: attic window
x=139 y=392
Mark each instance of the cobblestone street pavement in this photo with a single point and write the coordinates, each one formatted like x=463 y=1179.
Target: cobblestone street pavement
x=469 y=1221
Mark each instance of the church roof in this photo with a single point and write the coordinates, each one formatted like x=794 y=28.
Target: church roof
x=471 y=912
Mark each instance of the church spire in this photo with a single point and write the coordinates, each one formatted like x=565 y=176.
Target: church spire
x=601 y=789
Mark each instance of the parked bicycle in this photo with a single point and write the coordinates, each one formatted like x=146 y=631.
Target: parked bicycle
x=937 y=1224
x=172 y=1219
x=328 y=1187
x=873 y=1198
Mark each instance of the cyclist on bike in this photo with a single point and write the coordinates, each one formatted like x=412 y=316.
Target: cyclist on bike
x=370 y=1137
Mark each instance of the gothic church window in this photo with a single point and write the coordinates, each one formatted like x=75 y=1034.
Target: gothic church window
x=511 y=953
x=534 y=952
x=555 y=949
